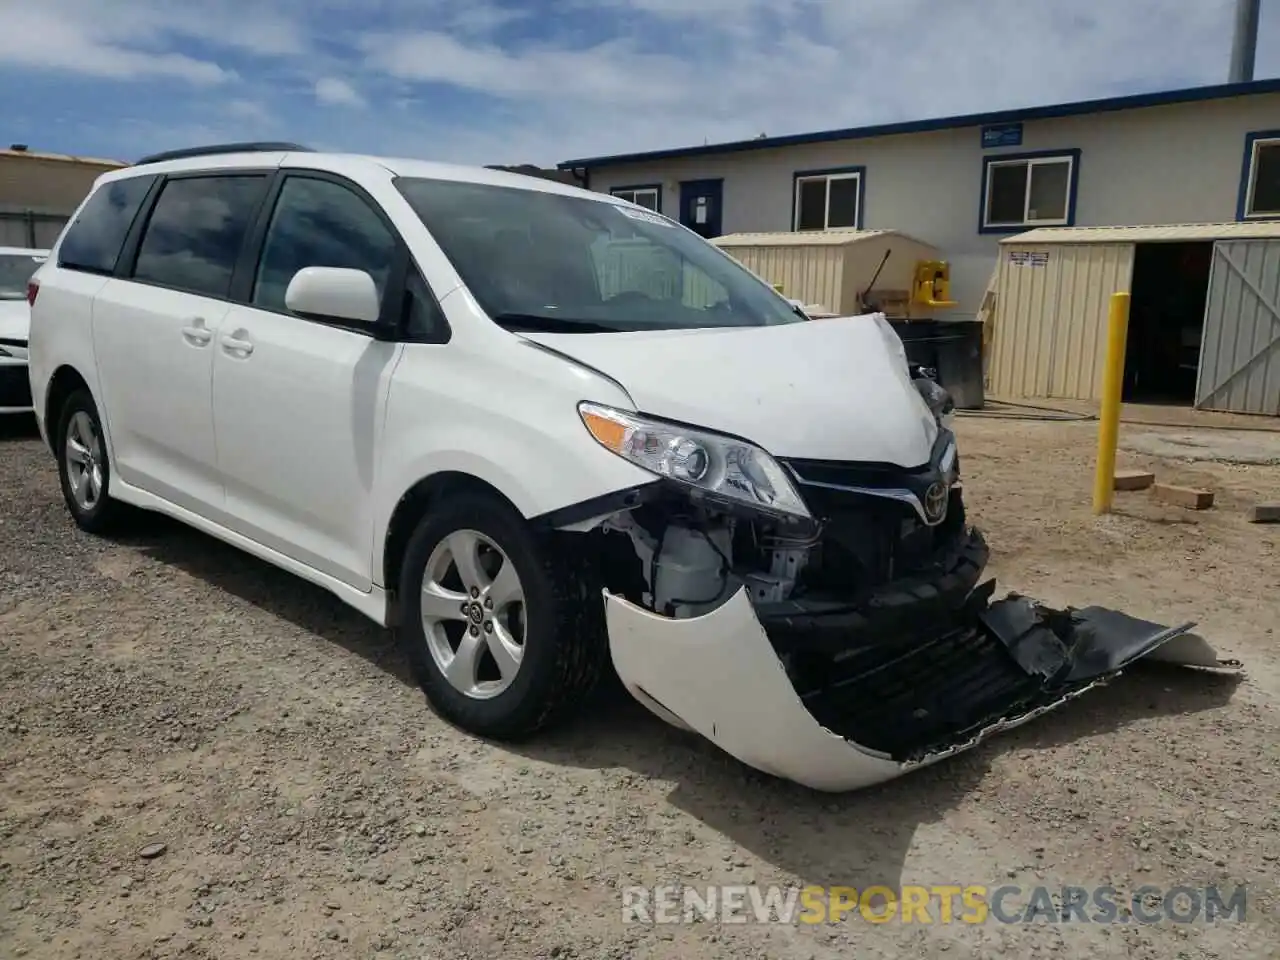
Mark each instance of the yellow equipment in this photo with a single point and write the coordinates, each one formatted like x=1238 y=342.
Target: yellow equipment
x=932 y=284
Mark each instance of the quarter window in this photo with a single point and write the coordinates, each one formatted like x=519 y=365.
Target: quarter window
x=828 y=201
x=421 y=317
x=193 y=238
x=1263 y=185
x=644 y=196
x=94 y=240
x=319 y=223
x=1028 y=192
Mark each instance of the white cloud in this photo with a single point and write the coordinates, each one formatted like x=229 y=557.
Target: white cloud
x=605 y=74
x=731 y=69
x=45 y=38
x=490 y=81
x=249 y=111
x=335 y=92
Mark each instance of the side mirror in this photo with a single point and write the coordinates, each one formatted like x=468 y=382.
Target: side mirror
x=334 y=293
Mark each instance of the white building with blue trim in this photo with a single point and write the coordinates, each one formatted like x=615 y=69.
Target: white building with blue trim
x=1202 y=155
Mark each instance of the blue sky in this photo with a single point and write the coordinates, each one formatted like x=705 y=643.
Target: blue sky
x=539 y=81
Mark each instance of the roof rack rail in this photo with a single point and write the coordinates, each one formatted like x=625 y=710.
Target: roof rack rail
x=252 y=146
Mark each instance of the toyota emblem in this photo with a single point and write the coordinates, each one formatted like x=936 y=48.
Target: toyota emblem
x=935 y=503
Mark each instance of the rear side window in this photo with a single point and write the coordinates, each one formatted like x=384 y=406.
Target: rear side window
x=94 y=240
x=319 y=223
x=195 y=232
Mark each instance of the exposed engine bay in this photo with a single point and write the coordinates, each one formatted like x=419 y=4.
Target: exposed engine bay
x=873 y=610
x=876 y=523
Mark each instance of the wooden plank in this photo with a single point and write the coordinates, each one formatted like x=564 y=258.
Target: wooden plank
x=1265 y=513
x=1189 y=497
x=1133 y=479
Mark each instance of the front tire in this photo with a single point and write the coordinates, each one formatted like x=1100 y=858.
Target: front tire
x=501 y=629
x=84 y=469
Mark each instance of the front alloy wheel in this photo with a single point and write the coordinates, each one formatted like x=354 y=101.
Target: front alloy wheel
x=473 y=614
x=501 y=624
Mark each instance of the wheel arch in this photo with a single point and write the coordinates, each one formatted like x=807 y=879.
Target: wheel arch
x=65 y=381
x=413 y=506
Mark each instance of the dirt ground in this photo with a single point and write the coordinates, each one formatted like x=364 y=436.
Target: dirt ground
x=168 y=689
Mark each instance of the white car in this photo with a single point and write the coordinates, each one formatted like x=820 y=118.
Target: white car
x=537 y=429
x=17 y=264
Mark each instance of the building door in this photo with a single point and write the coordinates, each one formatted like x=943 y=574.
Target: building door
x=1240 y=348
x=700 y=202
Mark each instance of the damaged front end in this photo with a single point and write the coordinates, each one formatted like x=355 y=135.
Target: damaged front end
x=849 y=645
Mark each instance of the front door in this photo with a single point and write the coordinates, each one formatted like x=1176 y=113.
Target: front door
x=297 y=402
x=700 y=202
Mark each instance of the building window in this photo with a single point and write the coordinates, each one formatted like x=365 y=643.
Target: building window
x=1260 y=186
x=649 y=196
x=1032 y=190
x=828 y=199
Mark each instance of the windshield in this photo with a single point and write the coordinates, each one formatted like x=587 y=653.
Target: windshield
x=545 y=261
x=15 y=270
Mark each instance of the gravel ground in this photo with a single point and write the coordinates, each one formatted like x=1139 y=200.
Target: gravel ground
x=166 y=689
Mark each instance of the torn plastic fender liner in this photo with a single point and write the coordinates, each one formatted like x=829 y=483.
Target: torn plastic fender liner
x=718 y=675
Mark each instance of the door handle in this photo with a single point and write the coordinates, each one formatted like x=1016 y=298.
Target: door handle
x=237 y=346
x=197 y=333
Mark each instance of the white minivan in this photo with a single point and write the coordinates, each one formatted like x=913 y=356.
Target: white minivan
x=539 y=431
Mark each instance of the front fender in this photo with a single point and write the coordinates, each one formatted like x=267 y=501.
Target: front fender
x=517 y=430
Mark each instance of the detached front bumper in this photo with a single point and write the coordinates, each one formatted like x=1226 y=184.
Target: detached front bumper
x=906 y=690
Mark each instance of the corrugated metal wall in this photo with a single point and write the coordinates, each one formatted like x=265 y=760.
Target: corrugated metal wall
x=623 y=265
x=26 y=228
x=40 y=183
x=813 y=274
x=1240 y=351
x=1049 y=336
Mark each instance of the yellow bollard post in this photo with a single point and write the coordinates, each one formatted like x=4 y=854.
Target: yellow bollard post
x=1109 y=418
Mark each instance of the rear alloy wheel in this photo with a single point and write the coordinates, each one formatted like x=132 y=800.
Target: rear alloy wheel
x=83 y=466
x=494 y=618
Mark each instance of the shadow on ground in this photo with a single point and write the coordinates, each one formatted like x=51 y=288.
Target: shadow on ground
x=857 y=839
x=279 y=593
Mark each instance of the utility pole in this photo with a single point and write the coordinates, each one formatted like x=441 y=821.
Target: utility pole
x=1245 y=42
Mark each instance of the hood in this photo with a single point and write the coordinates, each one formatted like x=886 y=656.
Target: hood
x=15 y=319
x=822 y=390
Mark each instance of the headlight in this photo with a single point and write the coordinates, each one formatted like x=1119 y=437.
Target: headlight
x=721 y=466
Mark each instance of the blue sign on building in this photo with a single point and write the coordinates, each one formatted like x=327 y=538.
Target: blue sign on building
x=1002 y=135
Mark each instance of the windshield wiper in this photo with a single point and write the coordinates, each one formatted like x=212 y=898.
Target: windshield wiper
x=537 y=323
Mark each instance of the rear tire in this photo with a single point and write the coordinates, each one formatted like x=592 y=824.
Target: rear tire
x=84 y=468
x=550 y=641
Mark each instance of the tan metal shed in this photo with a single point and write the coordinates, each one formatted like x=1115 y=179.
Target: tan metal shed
x=831 y=267
x=40 y=191
x=1053 y=287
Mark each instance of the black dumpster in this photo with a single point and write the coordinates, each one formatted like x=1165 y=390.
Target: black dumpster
x=954 y=349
